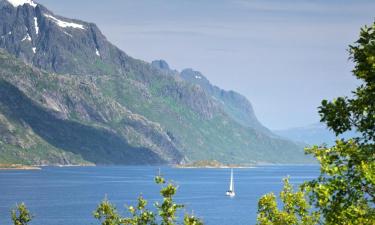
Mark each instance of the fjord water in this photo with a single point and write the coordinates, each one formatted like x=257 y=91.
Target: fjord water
x=64 y=196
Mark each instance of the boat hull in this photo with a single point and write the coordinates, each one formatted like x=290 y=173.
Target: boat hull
x=230 y=194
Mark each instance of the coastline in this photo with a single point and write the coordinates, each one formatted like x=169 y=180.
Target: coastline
x=38 y=167
x=18 y=167
x=212 y=165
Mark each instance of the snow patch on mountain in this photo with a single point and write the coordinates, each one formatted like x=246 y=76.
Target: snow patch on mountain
x=64 y=24
x=17 y=3
x=34 y=50
x=68 y=34
x=27 y=37
x=36 y=25
x=97 y=52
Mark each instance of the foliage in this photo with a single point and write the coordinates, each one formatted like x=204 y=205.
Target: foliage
x=345 y=190
x=21 y=215
x=167 y=210
x=296 y=209
x=140 y=215
x=107 y=213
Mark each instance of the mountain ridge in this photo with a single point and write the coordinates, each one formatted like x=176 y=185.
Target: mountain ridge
x=87 y=86
x=313 y=134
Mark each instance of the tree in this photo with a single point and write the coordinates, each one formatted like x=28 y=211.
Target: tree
x=296 y=209
x=140 y=215
x=107 y=213
x=345 y=190
x=21 y=215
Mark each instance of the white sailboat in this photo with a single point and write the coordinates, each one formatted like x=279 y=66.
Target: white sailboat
x=231 y=192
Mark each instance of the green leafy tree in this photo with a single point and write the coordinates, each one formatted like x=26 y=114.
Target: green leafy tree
x=140 y=215
x=295 y=210
x=107 y=213
x=21 y=215
x=345 y=190
x=168 y=208
x=192 y=220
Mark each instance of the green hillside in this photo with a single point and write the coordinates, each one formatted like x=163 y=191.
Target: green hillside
x=76 y=98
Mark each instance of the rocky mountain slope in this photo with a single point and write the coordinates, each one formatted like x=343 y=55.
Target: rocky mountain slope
x=69 y=96
x=233 y=103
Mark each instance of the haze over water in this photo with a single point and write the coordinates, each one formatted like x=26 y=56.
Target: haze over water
x=61 y=196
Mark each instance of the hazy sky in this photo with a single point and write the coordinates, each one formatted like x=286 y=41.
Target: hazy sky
x=285 y=56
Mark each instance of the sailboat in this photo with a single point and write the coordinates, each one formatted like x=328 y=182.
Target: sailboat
x=231 y=192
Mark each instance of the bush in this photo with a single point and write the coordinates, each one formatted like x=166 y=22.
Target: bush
x=107 y=213
x=21 y=215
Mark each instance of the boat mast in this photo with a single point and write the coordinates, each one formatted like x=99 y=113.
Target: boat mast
x=231 y=186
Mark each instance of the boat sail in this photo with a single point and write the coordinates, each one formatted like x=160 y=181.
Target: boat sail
x=231 y=192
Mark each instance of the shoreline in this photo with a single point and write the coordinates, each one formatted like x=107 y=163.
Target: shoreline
x=214 y=167
x=18 y=167
x=4 y=167
x=37 y=167
x=206 y=164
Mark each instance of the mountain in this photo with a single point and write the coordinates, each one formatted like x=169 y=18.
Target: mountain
x=161 y=64
x=314 y=134
x=233 y=103
x=68 y=96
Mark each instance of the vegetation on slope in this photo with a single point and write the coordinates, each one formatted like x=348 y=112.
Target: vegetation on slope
x=82 y=95
x=87 y=116
x=67 y=114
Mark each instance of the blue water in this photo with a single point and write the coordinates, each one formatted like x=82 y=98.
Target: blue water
x=64 y=196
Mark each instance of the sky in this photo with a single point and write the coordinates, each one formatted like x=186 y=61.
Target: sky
x=285 y=56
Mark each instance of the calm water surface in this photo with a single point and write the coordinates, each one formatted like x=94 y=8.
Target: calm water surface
x=64 y=196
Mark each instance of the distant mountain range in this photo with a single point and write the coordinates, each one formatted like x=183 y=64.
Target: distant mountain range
x=314 y=134
x=68 y=96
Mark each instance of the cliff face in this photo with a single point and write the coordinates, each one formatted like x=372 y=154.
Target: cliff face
x=71 y=97
x=233 y=103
